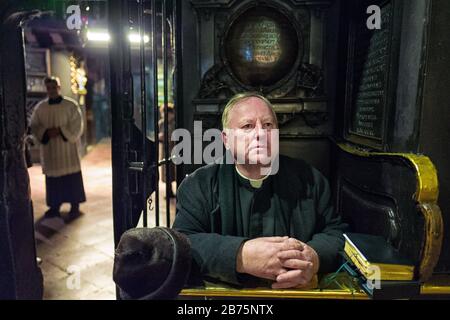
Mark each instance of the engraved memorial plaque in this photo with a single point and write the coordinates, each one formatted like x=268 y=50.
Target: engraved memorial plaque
x=371 y=58
x=36 y=62
x=262 y=47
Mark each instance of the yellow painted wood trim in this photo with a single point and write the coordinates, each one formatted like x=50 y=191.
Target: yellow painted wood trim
x=438 y=284
x=427 y=193
x=281 y=294
x=427 y=190
x=437 y=290
x=434 y=230
x=426 y=289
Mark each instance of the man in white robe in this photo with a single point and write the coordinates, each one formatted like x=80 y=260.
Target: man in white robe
x=57 y=124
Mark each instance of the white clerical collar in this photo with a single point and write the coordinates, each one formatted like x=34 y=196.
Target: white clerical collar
x=255 y=183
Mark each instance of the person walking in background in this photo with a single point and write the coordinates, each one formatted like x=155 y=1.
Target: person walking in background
x=57 y=124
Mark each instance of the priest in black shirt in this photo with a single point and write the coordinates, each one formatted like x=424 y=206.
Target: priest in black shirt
x=256 y=221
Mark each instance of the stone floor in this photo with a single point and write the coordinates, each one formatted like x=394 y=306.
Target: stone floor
x=77 y=254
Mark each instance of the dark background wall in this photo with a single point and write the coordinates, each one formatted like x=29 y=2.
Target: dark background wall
x=20 y=277
x=434 y=126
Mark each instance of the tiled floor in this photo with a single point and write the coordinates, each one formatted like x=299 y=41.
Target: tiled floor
x=77 y=255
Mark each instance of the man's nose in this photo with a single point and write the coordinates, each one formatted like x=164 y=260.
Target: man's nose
x=259 y=130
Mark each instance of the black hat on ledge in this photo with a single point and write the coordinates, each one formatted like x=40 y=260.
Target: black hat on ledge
x=151 y=263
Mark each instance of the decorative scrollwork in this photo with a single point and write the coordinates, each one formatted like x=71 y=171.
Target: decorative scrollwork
x=306 y=83
x=216 y=83
x=310 y=78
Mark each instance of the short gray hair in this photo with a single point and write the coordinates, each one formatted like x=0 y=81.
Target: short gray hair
x=241 y=97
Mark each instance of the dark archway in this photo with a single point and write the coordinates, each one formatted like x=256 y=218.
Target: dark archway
x=20 y=277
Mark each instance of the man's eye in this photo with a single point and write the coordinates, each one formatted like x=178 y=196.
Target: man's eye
x=246 y=126
x=268 y=125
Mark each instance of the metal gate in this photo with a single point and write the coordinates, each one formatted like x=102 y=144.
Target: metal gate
x=143 y=76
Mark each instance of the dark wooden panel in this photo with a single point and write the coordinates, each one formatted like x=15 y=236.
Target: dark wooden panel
x=20 y=277
x=371 y=58
x=375 y=195
x=434 y=131
x=371 y=73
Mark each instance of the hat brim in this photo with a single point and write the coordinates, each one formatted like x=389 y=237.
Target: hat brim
x=179 y=270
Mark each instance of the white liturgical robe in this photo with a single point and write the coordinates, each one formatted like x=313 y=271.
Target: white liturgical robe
x=59 y=156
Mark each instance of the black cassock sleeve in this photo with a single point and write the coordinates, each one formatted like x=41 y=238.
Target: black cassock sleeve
x=213 y=253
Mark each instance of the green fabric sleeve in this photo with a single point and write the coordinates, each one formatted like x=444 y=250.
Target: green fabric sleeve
x=214 y=254
x=328 y=239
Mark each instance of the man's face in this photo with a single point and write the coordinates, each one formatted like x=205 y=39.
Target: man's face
x=251 y=129
x=52 y=90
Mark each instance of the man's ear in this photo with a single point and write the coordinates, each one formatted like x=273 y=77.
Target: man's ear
x=225 y=138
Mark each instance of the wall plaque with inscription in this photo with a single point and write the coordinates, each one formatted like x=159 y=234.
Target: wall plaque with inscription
x=37 y=67
x=37 y=61
x=370 y=60
x=262 y=47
